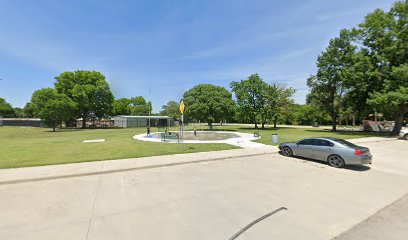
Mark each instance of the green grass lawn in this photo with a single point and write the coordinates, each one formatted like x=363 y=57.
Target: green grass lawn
x=21 y=147
x=288 y=134
x=40 y=146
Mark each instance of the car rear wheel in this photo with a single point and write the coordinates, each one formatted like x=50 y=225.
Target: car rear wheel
x=406 y=136
x=335 y=161
x=287 y=152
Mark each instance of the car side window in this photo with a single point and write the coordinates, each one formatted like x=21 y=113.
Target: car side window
x=314 y=142
x=325 y=143
x=329 y=144
x=305 y=142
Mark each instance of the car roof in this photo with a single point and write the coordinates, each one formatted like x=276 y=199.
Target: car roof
x=326 y=138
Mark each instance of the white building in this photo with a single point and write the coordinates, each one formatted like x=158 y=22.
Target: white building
x=142 y=121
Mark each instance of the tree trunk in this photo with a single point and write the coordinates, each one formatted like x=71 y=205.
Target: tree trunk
x=354 y=120
x=84 y=120
x=275 y=120
x=399 y=118
x=263 y=122
x=210 y=125
x=53 y=126
x=334 y=123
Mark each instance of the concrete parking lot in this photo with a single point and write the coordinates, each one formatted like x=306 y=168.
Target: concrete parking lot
x=209 y=200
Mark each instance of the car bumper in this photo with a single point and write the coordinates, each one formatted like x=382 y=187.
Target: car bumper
x=357 y=160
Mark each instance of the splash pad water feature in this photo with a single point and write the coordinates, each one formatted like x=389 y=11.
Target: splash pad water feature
x=199 y=137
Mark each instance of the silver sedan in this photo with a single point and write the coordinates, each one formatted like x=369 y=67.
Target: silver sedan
x=336 y=152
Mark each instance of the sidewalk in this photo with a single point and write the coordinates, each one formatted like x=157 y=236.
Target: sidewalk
x=18 y=175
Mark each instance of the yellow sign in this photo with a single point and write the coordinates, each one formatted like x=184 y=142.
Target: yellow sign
x=182 y=107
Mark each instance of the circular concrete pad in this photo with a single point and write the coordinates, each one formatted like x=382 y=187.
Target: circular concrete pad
x=200 y=137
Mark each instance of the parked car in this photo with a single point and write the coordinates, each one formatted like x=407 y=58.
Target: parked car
x=336 y=152
x=404 y=133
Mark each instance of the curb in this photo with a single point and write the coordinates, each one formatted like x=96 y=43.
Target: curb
x=104 y=172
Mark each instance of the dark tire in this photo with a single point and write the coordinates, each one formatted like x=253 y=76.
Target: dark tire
x=287 y=152
x=405 y=137
x=335 y=161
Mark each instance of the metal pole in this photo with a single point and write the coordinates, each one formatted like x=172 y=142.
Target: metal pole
x=150 y=108
x=182 y=125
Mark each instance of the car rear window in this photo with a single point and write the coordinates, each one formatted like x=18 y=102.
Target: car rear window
x=345 y=143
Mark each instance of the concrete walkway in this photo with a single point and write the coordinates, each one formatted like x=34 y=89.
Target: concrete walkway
x=18 y=175
x=251 y=145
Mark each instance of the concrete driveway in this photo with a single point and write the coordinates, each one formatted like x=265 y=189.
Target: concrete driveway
x=208 y=200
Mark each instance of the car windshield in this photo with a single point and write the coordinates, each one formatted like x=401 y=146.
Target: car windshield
x=345 y=143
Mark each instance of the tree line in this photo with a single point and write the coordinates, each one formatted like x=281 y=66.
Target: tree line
x=365 y=69
x=7 y=111
x=76 y=95
x=256 y=102
x=86 y=95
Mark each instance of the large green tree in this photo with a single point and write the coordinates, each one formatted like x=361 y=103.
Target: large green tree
x=89 y=91
x=394 y=97
x=328 y=85
x=6 y=110
x=139 y=106
x=28 y=112
x=171 y=109
x=121 y=106
x=305 y=114
x=384 y=36
x=208 y=103
x=19 y=112
x=52 y=107
x=136 y=106
x=278 y=101
x=250 y=96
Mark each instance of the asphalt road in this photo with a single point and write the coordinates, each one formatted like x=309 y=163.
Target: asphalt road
x=212 y=200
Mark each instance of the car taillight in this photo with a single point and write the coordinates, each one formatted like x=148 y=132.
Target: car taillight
x=358 y=152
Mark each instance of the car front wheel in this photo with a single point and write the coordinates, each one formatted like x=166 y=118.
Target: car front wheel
x=335 y=161
x=287 y=152
x=406 y=136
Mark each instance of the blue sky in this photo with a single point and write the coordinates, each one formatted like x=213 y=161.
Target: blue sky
x=168 y=46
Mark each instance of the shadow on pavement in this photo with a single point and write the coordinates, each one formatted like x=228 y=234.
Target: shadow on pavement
x=358 y=168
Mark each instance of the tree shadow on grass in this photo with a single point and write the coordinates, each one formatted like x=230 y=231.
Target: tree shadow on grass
x=353 y=133
x=213 y=130
x=65 y=130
